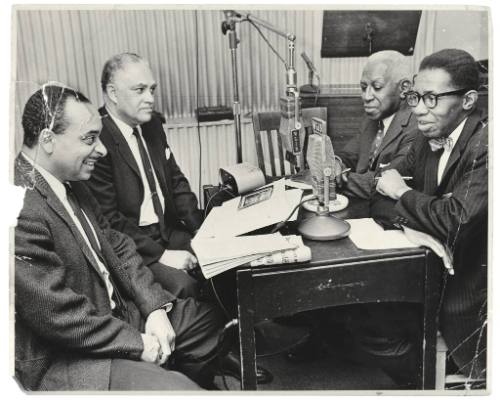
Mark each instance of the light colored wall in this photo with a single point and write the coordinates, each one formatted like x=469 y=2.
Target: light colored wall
x=467 y=30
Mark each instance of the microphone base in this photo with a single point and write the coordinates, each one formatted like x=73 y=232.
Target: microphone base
x=324 y=228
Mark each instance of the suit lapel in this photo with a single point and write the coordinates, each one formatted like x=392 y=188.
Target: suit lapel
x=369 y=132
x=120 y=143
x=55 y=204
x=469 y=128
x=153 y=149
x=401 y=119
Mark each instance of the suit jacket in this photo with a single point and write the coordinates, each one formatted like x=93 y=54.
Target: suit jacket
x=116 y=183
x=456 y=213
x=66 y=334
x=395 y=144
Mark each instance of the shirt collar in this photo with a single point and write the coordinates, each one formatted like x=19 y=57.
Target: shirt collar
x=387 y=122
x=456 y=132
x=54 y=183
x=126 y=130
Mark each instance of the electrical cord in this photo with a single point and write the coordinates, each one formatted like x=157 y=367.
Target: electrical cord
x=282 y=223
x=224 y=188
x=267 y=42
x=198 y=107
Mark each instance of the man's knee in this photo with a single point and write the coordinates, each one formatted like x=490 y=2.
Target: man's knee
x=175 y=281
x=127 y=375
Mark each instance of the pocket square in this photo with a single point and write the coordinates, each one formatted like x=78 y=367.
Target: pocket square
x=447 y=195
x=167 y=153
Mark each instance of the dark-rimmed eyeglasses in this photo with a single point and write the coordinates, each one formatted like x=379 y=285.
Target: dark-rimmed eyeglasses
x=430 y=99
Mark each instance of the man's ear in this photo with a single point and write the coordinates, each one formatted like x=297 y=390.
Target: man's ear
x=469 y=100
x=404 y=87
x=111 y=92
x=46 y=140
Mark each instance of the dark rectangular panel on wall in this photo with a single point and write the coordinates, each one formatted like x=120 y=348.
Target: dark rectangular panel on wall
x=345 y=112
x=349 y=33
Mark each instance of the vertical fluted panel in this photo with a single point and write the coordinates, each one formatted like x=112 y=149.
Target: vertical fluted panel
x=218 y=149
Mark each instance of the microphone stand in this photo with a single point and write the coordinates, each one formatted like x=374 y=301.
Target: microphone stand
x=292 y=93
x=229 y=27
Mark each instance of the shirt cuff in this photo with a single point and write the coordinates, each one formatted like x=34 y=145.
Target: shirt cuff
x=167 y=307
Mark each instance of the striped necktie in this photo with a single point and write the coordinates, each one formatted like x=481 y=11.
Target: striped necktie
x=376 y=145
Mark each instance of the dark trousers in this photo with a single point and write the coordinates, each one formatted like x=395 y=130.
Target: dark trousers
x=175 y=281
x=197 y=326
x=382 y=335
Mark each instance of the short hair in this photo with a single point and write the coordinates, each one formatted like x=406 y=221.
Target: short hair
x=45 y=110
x=397 y=63
x=461 y=66
x=115 y=63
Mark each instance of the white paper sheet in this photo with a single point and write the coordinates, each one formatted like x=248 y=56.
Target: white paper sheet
x=367 y=234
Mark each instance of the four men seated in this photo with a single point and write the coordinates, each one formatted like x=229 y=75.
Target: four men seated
x=103 y=299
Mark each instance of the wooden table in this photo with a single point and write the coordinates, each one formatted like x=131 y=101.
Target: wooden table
x=340 y=274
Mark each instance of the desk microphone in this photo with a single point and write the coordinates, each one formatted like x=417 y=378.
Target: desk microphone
x=321 y=160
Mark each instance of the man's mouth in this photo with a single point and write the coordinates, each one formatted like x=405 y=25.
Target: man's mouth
x=90 y=162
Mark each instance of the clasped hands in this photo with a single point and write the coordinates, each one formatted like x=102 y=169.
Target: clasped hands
x=158 y=339
x=178 y=259
x=391 y=184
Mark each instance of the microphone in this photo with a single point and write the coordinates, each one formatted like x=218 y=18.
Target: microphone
x=321 y=160
x=309 y=63
x=310 y=88
x=292 y=131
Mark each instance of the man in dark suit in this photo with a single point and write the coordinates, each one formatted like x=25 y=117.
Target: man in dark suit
x=89 y=315
x=139 y=185
x=448 y=195
x=388 y=128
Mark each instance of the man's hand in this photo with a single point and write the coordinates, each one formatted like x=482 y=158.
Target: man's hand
x=158 y=325
x=391 y=184
x=152 y=349
x=182 y=260
x=338 y=167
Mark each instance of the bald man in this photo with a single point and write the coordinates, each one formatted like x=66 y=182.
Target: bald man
x=389 y=127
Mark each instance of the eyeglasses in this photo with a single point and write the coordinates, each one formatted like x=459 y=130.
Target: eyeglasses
x=430 y=99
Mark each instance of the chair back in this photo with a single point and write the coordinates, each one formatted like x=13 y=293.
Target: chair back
x=270 y=150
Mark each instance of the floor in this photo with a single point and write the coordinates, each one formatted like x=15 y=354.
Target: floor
x=325 y=373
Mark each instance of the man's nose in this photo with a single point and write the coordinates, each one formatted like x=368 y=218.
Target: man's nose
x=101 y=149
x=367 y=95
x=149 y=97
x=420 y=109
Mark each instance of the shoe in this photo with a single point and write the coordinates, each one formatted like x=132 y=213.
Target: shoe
x=305 y=352
x=272 y=337
x=230 y=366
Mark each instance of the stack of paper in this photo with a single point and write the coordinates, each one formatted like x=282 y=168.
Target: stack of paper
x=301 y=253
x=217 y=245
x=216 y=255
x=229 y=220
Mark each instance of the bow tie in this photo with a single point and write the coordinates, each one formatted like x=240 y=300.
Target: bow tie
x=441 y=143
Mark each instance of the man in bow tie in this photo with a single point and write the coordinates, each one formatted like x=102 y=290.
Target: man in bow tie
x=447 y=196
x=389 y=127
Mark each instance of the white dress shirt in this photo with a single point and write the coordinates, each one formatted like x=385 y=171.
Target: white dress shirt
x=60 y=191
x=147 y=213
x=387 y=122
x=443 y=160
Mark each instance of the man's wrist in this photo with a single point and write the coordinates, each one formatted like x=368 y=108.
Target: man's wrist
x=400 y=192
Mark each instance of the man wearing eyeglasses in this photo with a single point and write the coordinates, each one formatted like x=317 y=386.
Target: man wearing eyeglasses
x=447 y=196
x=389 y=128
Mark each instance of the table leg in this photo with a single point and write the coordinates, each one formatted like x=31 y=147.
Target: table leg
x=246 y=312
x=432 y=285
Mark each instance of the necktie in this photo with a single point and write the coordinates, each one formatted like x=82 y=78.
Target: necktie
x=376 y=144
x=148 y=170
x=441 y=143
x=431 y=168
x=75 y=205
